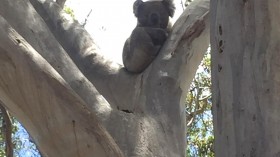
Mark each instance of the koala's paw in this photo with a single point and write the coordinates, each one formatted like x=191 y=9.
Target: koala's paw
x=157 y=35
x=139 y=51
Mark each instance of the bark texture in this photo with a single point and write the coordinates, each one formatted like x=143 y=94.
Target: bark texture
x=7 y=131
x=74 y=102
x=245 y=40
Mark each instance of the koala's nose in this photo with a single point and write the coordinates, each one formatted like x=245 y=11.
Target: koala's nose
x=154 y=19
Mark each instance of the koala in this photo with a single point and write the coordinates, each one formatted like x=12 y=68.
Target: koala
x=149 y=35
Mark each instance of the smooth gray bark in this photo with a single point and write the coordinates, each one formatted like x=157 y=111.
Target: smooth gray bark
x=144 y=113
x=56 y=117
x=245 y=40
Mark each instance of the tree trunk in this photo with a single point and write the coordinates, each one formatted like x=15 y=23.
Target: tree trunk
x=74 y=102
x=245 y=40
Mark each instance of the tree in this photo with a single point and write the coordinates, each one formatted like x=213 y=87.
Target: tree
x=200 y=138
x=6 y=147
x=14 y=140
x=74 y=102
x=245 y=75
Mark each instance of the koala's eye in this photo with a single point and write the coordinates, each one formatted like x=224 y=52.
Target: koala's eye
x=154 y=19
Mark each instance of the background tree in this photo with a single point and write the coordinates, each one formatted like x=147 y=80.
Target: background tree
x=245 y=41
x=199 y=117
x=6 y=147
x=66 y=107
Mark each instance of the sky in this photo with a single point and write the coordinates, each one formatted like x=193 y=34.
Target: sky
x=110 y=22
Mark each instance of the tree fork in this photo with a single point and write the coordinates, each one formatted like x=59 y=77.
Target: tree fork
x=144 y=113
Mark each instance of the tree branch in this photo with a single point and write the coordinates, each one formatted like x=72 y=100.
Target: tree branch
x=104 y=74
x=181 y=54
x=37 y=34
x=7 y=131
x=61 y=3
x=175 y=67
x=185 y=47
x=38 y=96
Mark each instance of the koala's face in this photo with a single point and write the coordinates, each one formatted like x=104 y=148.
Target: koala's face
x=152 y=14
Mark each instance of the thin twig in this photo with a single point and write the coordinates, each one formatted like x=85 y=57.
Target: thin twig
x=183 y=6
x=87 y=18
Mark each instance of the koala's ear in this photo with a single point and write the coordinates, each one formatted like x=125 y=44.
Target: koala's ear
x=136 y=7
x=169 y=4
